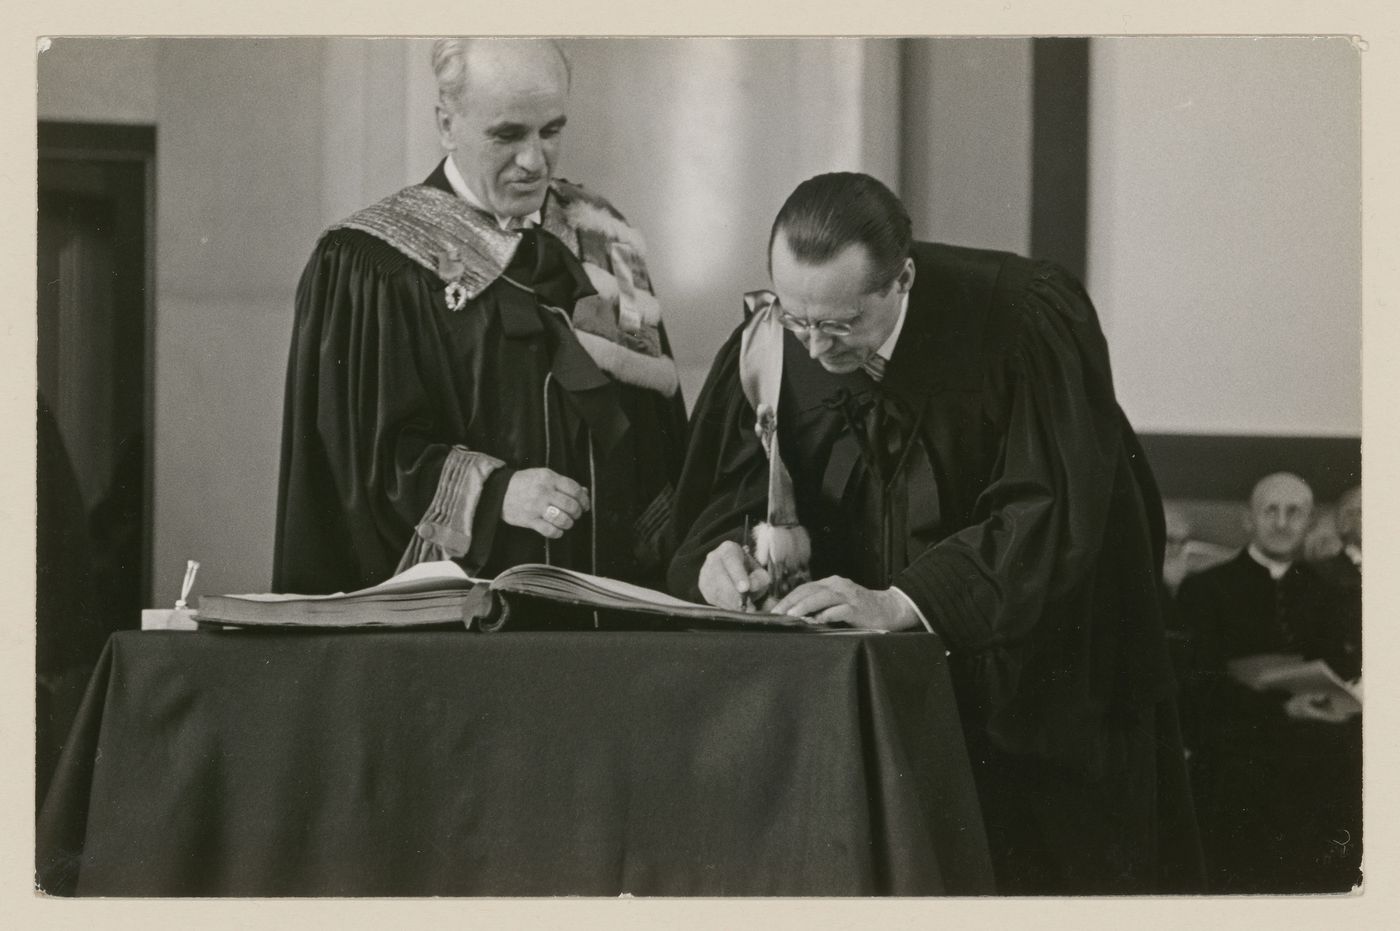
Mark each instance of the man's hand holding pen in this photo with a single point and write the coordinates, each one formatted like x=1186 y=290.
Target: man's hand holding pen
x=732 y=578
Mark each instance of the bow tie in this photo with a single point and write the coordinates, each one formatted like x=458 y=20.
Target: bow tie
x=881 y=426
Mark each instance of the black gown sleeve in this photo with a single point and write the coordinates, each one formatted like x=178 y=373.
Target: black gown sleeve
x=364 y=442
x=1050 y=597
x=1044 y=514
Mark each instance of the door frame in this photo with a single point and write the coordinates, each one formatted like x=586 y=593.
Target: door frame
x=127 y=143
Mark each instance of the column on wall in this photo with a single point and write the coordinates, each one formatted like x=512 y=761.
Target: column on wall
x=967 y=140
x=378 y=97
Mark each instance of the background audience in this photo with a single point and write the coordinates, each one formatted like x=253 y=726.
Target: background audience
x=1277 y=776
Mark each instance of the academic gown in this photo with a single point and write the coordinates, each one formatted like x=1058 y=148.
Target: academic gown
x=1007 y=495
x=384 y=381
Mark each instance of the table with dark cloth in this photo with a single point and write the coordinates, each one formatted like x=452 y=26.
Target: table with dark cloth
x=251 y=763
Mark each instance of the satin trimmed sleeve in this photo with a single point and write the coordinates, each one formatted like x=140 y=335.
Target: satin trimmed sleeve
x=445 y=532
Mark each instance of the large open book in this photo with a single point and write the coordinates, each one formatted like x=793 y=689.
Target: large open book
x=507 y=600
x=1289 y=673
x=527 y=596
x=430 y=593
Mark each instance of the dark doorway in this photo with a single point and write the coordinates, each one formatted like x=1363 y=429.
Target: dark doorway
x=94 y=275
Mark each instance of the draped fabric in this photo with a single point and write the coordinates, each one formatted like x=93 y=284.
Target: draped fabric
x=384 y=381
x=993 y=478
x=426 y=763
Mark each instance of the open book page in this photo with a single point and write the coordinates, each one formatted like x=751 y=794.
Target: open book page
x=541 y=579
x=581 y=588
x=443 y=575
x=1199 y=555
x=1292 y=674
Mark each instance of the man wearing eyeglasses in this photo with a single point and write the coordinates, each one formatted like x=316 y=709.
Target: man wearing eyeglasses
x=931 y=436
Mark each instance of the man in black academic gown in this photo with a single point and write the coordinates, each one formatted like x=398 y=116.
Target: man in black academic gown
x=1278 y=779
x=478 y=367
x=953 y=451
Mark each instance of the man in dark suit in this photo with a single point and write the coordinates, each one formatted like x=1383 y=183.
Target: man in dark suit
x=1277 y=780
x=939 y=448
x=1266 y=599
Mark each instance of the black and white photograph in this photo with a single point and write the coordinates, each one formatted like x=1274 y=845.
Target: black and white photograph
x=699 y=467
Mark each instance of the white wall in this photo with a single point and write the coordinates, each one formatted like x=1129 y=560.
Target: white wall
x=377 y=122
x=1224 y=229
x=239 y=196
x=98 y=80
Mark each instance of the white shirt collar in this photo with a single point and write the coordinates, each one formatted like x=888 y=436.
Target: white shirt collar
x=1277 y=570
x=459 y=187
x=1353 y=553
x=886 y=349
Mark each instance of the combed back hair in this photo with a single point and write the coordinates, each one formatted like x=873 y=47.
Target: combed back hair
x=830 y=212
x=450 y=68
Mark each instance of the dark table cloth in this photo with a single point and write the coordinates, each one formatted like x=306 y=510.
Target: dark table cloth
x=527 y=763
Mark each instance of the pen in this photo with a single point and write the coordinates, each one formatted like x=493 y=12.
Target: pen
x=191 y=567
x=745 y=602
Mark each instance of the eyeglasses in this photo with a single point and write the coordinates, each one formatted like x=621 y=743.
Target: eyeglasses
x=846 y=327
x=828 y=327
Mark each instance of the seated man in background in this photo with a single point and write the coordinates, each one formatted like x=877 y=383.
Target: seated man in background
x=959 y=464
x=478 y=368
x=1277 y=785
x=1343 y=569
